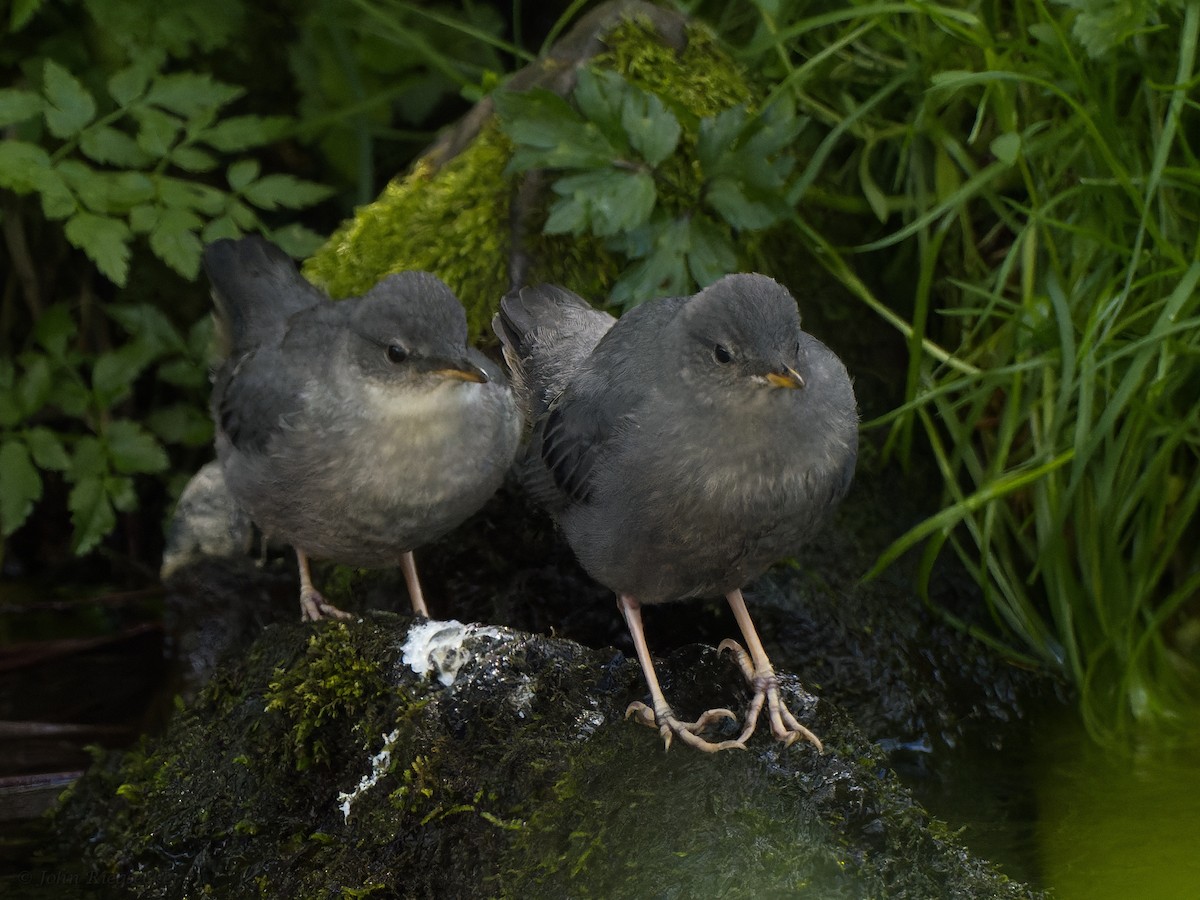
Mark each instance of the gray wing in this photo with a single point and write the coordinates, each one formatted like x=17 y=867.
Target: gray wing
x=256 y=289
x=576 y=366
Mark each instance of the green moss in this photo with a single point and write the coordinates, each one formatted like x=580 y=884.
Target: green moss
x=455 y=221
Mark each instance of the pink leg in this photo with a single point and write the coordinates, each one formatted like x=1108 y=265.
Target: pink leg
x=312 y=605
x=662 y=716
x=409 y=566
x=757 y=669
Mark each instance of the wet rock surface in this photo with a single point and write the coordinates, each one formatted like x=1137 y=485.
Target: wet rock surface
x=494 y=759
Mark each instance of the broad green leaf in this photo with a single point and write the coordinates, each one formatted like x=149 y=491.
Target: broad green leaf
x=273 y=191
x=718 y=137
x=567 y=216
x=244 y=217
x=612 y=200
x=549 y=133
x=297 y=241
x=738 y=207
x=191 y=93
x=710 y=252
x=20 y=486
x=157 y=130
x=238 y=133
x=180 y=194
x=241 y=173
x=92 y=515
x=149 y=324
x=599 y=94
x=184 y=372
x=115 y=371
x=69 y=105
x=106 y=192
x=223 y=227
x=144 y=216
x=109 y=145
x=652 y=128
x=106 y=242
x=193 y=159
x=19 y=161
x=17 y=106
x=175 y=242
x=69 y=395
x=22 y=12
x=132 y=449
x=33 y=387
x=120 y=491
x=47 y=449
x=129 y=84
x=88 y=458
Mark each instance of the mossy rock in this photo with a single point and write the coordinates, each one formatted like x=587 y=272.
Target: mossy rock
x=453 y=213
x=333 y=760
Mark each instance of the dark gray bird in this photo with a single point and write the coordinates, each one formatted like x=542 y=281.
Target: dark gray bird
x=682 y=450
x=354 y=430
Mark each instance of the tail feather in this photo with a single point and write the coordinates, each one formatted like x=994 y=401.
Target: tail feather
x=546 y=332
x=256 y=288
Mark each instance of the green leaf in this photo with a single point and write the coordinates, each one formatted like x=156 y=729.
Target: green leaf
x=549 y=133
x=120 y=491
x=34 y=385
x=132 y=449
x=191 y=94
x=599 y=94
x=19 y=161
x=183 y=373
x=739 y=208
x=193 y=159
x=106 y=242
x=241 y=173
x=92 y=515
x=1007 y=147
x=149 y=324
x=717 y=138
x=115 y=371
x=22 y=12
x=129 y=84
x=156 y=131
x=106 y=192
x=273 y=191
x=710 y=252
x=175 y=242
x=297 y=241
x=612 y=200
x=652 y=128
x=69 y=105
x=180 y=194
x=54 y=328
x=17 y=106
x=181 y=424
x=20 y=488
x=108 y=145
x=238 y=133
x=224 y=227
x=876 y=198
x=143 y=217
x=88 y=458
x=47 y=449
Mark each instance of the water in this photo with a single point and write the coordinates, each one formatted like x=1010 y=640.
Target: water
x=1116 y=826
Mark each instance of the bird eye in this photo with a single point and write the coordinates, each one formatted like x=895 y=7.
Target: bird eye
x=722 y=355
x=396 y=353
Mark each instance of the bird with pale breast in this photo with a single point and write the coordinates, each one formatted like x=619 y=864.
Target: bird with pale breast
x=355 y=430
x=683 y=449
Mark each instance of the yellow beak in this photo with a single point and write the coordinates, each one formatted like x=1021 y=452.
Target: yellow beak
x=477 y=376
x=788 y=378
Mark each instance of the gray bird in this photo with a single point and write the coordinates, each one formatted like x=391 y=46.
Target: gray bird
x=354 y=430
x=682 y=450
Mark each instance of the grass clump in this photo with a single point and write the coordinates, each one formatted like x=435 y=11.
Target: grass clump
x=1022 y=179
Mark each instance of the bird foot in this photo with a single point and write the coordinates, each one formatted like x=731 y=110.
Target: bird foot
x=668 y=726
x=314 y=607
x=784 y=725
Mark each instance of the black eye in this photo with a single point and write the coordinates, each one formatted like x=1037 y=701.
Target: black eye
x=722 y=355
x=396 y=353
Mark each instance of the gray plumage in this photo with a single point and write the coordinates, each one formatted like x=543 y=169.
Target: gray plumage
x=354 y=430
x=682 y=450
x=673 y=475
